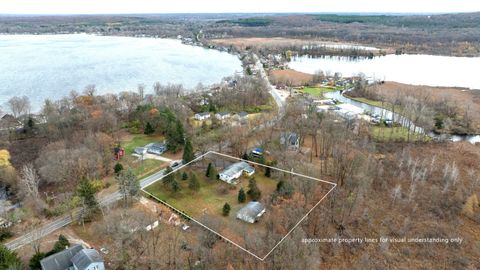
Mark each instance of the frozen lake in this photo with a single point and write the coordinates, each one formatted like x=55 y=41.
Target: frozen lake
x=407 y=68
x=50 y=66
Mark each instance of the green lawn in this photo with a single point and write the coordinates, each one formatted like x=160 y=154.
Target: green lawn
x=318 y=91
x=211 y=197
x=139 y=141
x=381 y=133
x=147 y=167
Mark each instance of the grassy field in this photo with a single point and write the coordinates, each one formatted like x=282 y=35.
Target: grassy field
x=139 y=141
x=381 y=133
x=212 y=194
x=318 y=91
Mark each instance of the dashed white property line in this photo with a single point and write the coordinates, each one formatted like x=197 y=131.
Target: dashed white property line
x=334 y=185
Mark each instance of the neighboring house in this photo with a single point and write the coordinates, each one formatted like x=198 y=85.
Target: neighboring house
x=235 y=170
x=251 y=212
x=156 y=148
x=8 y=121
x=74 y=258
x=290 y=140
x=222 y=115
x=202 y=116
x=242 y=116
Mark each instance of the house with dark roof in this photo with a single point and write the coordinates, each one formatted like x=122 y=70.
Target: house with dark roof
x=88 y=259
x=74 y=258
x=251 y=212
x=242 y=116
x=156 y=148
x=235 y=170
x=290 y=140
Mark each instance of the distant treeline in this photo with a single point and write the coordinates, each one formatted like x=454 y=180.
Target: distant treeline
x=249 y=22
x=415 y=21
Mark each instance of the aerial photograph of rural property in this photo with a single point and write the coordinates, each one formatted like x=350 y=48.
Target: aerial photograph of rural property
x=205 y=135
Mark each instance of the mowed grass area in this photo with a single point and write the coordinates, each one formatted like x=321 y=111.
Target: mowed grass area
x=381 y=133
x=318 y=91
x=211 y=197
x=140 y=168
x=138 y=141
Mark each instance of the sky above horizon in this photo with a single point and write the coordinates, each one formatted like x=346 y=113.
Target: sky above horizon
x=244 y=6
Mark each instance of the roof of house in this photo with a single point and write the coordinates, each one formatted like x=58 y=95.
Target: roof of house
x=235 y=168
x=252 y=210
x=158 y=146
x=223 y=113
x=61 y=260
x=85 y=258
x=203 y=114
x=242 y=114
x=290 y=137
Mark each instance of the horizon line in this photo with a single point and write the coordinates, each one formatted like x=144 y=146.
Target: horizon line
x=244 y=13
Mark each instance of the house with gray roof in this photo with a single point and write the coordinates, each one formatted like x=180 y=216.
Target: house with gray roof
x=222 y=115
x=88 y=259
x=251 y=212
x=290 y=140
x=235 y=170
x=74 y=258
x=202 y=116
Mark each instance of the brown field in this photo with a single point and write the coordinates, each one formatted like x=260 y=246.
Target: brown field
x=290 y=77
x=259 y=42
x=462 y=99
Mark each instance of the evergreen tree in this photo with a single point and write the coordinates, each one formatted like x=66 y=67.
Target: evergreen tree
x=86 y=191
x=226 y=209
x=184 y=176
x=245 y=156
x=149 y=129
x=118 y=168
x=9 y=259
x=34 y=262
x=175 y=186
x=241 y=196
x=188 y=152
x=61 y=244
x=268 y=172
x=253 y=190
x=209 y=169
x=213 y=173
x=193 y=184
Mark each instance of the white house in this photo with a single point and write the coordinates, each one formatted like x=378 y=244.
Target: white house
x=222 y=115
x=242 y=116
x=251 y=212
x=235 y=170
x=74 y=258
x=202 y=116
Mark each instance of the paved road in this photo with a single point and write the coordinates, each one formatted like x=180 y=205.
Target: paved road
x=116 y=196
x=66 y=220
